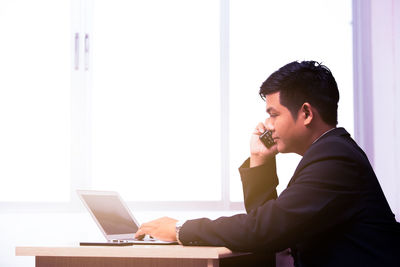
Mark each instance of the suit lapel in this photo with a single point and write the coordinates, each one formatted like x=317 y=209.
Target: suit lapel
x=306 y=158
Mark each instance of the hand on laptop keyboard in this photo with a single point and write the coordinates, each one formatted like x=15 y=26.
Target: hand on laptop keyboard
x=144 y=237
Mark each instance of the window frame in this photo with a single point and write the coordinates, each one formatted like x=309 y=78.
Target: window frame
x=80 y=119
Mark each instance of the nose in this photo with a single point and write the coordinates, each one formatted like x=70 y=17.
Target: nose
x=269 y=125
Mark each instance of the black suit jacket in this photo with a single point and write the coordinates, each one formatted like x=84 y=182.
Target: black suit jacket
x=333 y=212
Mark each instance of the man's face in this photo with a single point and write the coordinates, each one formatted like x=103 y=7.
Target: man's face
x=285 y=130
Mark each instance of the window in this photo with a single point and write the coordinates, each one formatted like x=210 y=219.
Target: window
x=265 y=35
x=155 y=99
x=35 y=101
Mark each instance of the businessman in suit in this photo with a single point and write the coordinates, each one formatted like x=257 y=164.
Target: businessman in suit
x=333 y=211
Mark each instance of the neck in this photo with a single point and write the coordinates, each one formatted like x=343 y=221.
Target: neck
x=316 y=135
x=325 y=132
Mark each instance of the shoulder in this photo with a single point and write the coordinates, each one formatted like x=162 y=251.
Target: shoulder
x=335 y=156
x=336 y=144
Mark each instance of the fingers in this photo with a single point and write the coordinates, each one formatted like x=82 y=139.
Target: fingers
x=144 y=229
x=140 y=234
x=163 y=229
x=260 y=128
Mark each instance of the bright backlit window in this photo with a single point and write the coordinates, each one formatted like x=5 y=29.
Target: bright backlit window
x=154 y=99
x=35 y=101
x=265 y=35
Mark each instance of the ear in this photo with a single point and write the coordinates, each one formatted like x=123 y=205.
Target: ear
x=307 y=114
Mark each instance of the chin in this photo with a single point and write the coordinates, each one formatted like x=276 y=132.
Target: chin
x=282 y=151
x=281 y=148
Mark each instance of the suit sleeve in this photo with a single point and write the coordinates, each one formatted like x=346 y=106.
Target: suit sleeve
x=259 y=184
x=323 y=195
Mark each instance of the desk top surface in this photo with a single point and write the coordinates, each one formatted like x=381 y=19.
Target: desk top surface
x=135 y=251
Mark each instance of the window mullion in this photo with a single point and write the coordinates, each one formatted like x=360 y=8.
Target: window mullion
x=224 y=87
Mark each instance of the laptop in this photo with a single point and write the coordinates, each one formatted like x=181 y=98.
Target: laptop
x=114 y=219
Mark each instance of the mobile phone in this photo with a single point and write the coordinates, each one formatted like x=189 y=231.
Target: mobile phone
x=266 y=139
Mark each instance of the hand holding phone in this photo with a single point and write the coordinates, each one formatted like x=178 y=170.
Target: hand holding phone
x=266 y=139
x=262 y=146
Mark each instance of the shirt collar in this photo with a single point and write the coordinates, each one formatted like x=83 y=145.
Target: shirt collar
x=323 y=134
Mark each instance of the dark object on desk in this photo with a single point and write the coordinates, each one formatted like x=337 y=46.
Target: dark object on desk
x=105 y=244
x=127 y=243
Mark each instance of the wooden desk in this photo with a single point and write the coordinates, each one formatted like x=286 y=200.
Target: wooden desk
x=142 y=255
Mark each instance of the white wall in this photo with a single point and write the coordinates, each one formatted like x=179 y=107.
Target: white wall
x=386 y=97
x=377 y=90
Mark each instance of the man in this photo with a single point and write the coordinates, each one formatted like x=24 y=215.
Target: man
x=333 y=212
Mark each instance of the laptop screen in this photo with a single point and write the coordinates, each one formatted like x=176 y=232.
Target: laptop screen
x=111 y=214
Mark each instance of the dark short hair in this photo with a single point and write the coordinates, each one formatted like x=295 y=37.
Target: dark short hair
x=306 y=81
